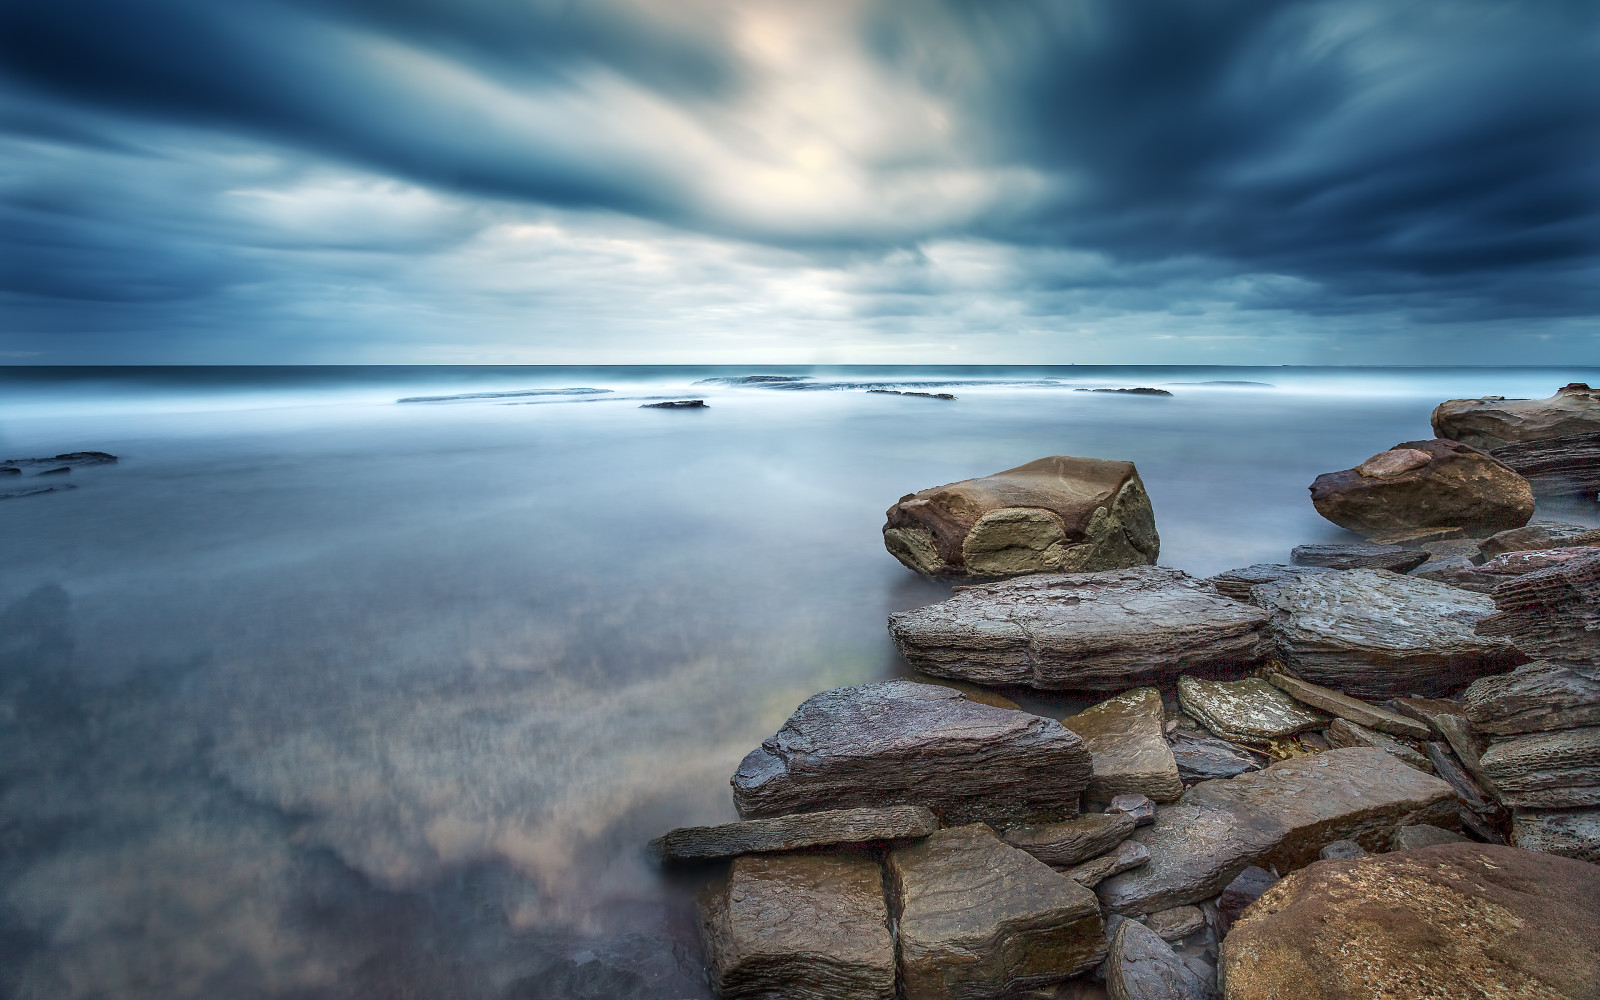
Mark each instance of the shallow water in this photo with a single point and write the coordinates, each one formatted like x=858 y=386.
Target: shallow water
x=316 y=694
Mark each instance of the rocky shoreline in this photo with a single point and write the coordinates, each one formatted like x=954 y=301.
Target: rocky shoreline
x=1371 y=771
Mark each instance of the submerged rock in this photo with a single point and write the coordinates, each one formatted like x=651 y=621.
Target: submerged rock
x=1130 y=752
x=1550 y=614
x=1053 y=515
x=1343 y=733
x=1358 y=555
x=788 y=833
x=675 y=404
x=1084 y=631
x=904 y=743
x=1142 y=966
x=1550 y=770
x=1064 y=844
x=1457 y=920
x=1125 y=856
x=1535 y=697
x=1246 y=711
x=1348 y=708
x=1571 y=833
x=1200 y=758
x=1425 y=484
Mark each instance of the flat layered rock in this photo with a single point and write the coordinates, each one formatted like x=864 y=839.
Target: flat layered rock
x=1535 y=697
x=1247 y=711
x=1176 y=923
x=1415 y=537
x=1348 y=708
x=1425 y=484
x=1373 y=634
x=1246 y=887
x=1551 y=613
x=1126 y=739
x=1278 y=817
x=1358 y=555
x=978 y=918
x=788 y=833
x=1083 y=631
x=1201 y=758
x=1142 y=966
x=1054 y=515
x=810 y=927
x=1571 y=833
x=1064 y=844
x=1553 y=770
x=1447 y=767
x=1540 y=535
x=1125 y=856
x=1457 y=920
x=904 y=743
x=1343 y=733
x=1236 y=583
x=1343 y=850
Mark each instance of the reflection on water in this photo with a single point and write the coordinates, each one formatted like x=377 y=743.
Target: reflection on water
x=315 y=695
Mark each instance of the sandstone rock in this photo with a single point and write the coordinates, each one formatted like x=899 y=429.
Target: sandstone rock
x=1558 y=467
x=1551 y=613
x=810 y=927
x=1125 y=856
x=1425 y=484
x=1554 y=770
x=1062 y=845
x=1176 y=923
x=1445 y=548
x=1571 y=833
x=1343 y=733
x=1053 y=515
x=1535 y=697
x=1277 y=817
x=1373 y=634
x=1348 y=708
x=1358 y=555
x=1124 y=736
x=1457 y=920
x=903 y=743
x=788 y=833
x=1247 y=887
x=1087 y=631
x=1494 y=421
x=1414 y=537
x=1447 y=767
x=1141 y=966
x=1236 y=583
x=1247 y=711
x=1539 y=535
x=1139 y=807
x=978 y=918
x=1342 y=850
x=1200 y=758
x=1409 y=838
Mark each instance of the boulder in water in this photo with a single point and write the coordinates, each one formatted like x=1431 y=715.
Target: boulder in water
x=1424 y=484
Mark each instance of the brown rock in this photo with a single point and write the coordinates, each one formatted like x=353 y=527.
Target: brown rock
x=1554 y=770
x=1447 y=767
x=1414 y=537
x=1459 y=486
x=1539 y=535
x=1518 y=563
x=1346 y=707
x=1456 y=571
x=1343 y=733
x=1551 y=613
x=1535 y=697
x=1064 y=844
x=1457 y=920
x=1248 y=711
x=1494 y=421
x=1139 y=807
x=1126 y=739
x=1358 y=555
x=1176 y=923
x=1054 y=515
x=788 y=833
x=1125 y=856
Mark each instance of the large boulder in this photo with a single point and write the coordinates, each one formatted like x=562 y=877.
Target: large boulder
x=1125 y=736
x=1053 y=515
x=788 y=833
x=1539 y=535
x=1425 y=484
x=1551 y=613
x=809 y=927
x=1105 y=631
x=1279 y=817
x=1375 y=634
x=1554 y=442
x=1549 y=770
x=904 y=743
x=1535 y=697
x=1456 y=920
x=977 y=918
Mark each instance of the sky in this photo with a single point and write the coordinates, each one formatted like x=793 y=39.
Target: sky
x=833 y=181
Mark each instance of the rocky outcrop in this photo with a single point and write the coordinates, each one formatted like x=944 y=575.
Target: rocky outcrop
x=1551 y=613
x=1236 y=583
x=1343 y=733
x=1539 y=535
x=1571 y=833
x=1358 y=555
x=1054 y=515
x=1126 y=741
x=1141 y=966
x=1535 y=697
x=1246 y=711
x=1457 y=920
x=1554 y=442
x=1083 y=631
x=977 y=918
x=788 y=833
x=809 y=927
x=1348 y=708
x=1201 y=758
x=1546 y=770
x=1373 y=634
x=1279 y=817
x=903 y=743
x=1424 y=484
x=1064 y=844
x=676 y=404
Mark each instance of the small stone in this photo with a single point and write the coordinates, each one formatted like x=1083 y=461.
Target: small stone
x=1201 y=758
x=1124 y=736
x=1343 y=733
x=1125 y=856
x=1247 y=711
x=1456 y=571
x=788 y=833
x=1571 y=833
x=1408 y=838
x=1141 y=966
x=1139 y=807
x=1358 y=555
x=1444 y=549
x=1342 y=849
x=1176 y=923
x=1553 y=770
x=1346 y=707
x=1446 y=766
x=1064 y=844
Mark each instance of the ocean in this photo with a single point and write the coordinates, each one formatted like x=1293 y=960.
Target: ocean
x=315 y=693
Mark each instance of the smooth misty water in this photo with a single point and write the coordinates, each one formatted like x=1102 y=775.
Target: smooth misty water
x=319 y=695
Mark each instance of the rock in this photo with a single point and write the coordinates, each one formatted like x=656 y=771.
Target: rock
x=1247 y=711
x=1358 y=555
x=809 y=926
x=1053 y=515
x=904 y=743
x=1559 y=467
x=1554 y=770
x=1279 y=817
x=675 y=404
x=1085 y=631
x=1139 y=807
x=1494 y=421
x=1539 y=535
x=1414 y=537
x=1446 y=548
x=1236 y=583
x=30 y=491
x=1501 y=567
x=1456 y=571
x=1125 y=738
x=1125 y=856
x=1409 y=838
x=1551 y=613
x=1142 y=967
x=788 y=833
x=905 y=392
x=1342 y=849
x=1062 y=845
x=1478 y=828
x=977 y=918
x=1429 y=711
x=1137 y=391
x=1457 y=920
x=60 y=470
x=1446 y=766
x=1425 y=484
x=1571 y=833
x=1535 y=697
x=1374 y=634
x=1176 y=923
x=1245 y=889
x=1200 y=758
x=1348 y=708
x=68 y=460
x=1343 y=733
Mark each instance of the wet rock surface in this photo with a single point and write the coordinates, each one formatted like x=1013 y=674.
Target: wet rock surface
x=1246 y=888
x=1125 y=738
x=1141 y=966
x=1535 y=697
x=1236 y=583
x=1456 y=571
x=1456 y=920
x=1358 y=555
x=1571 y=833
x=788 y=833
x=675 y=404
x=1245 y=711
x=1125 y=856
x=1053 y=515
x=1201 y=758
x=1348 y=708
x=904 y=743
x=1449 y=769
x=1546 y=770
x=1551 y=613
x=1064 y=844
x=1343 y=733
x=1425 y=484
x=1085 y=631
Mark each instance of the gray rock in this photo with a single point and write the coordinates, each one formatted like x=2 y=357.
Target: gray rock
x=1125 y=856
x=1374 y=634
x=1502 y=567
x=1141 y=966
x=904 y=743
x=1414 y=538
x=1083 y=631
x=1126 y=740
x=1447 y=767
x=1342 y=849
x=1538 y=535
x=1177 y=923
x=1409 y=838
x=1429 y=711
x=1493 y=422
x=977 y=918
x=1346 y=707
x=676 y=404
x=1553 y=770
x=1343 y=733
x=1247 y=887
x=1551 y=613
x=1236 y=583
x=1248 y=711
x=1358 y=555
x=1457 y=571
x=1535 y=697
x=1571 y=833
x=1448 y=547
x=1280 y=816
x=788 y=833
x=1201 y=758
x=1139 y=807
x=1062 y=845
x=810 y=927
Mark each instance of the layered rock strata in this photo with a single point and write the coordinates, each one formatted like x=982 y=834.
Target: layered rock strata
x=1551 y=613
x=1062 y=845
x=1245 y=711
x=1535 y=697
x=1571 y=833
x=1554 y=442
x=1358 y=555
x=1546 y=770
x=1141 y=966
x=788 y=833
x=1237 y=583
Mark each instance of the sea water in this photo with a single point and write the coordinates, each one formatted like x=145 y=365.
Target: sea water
x=318 y=694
